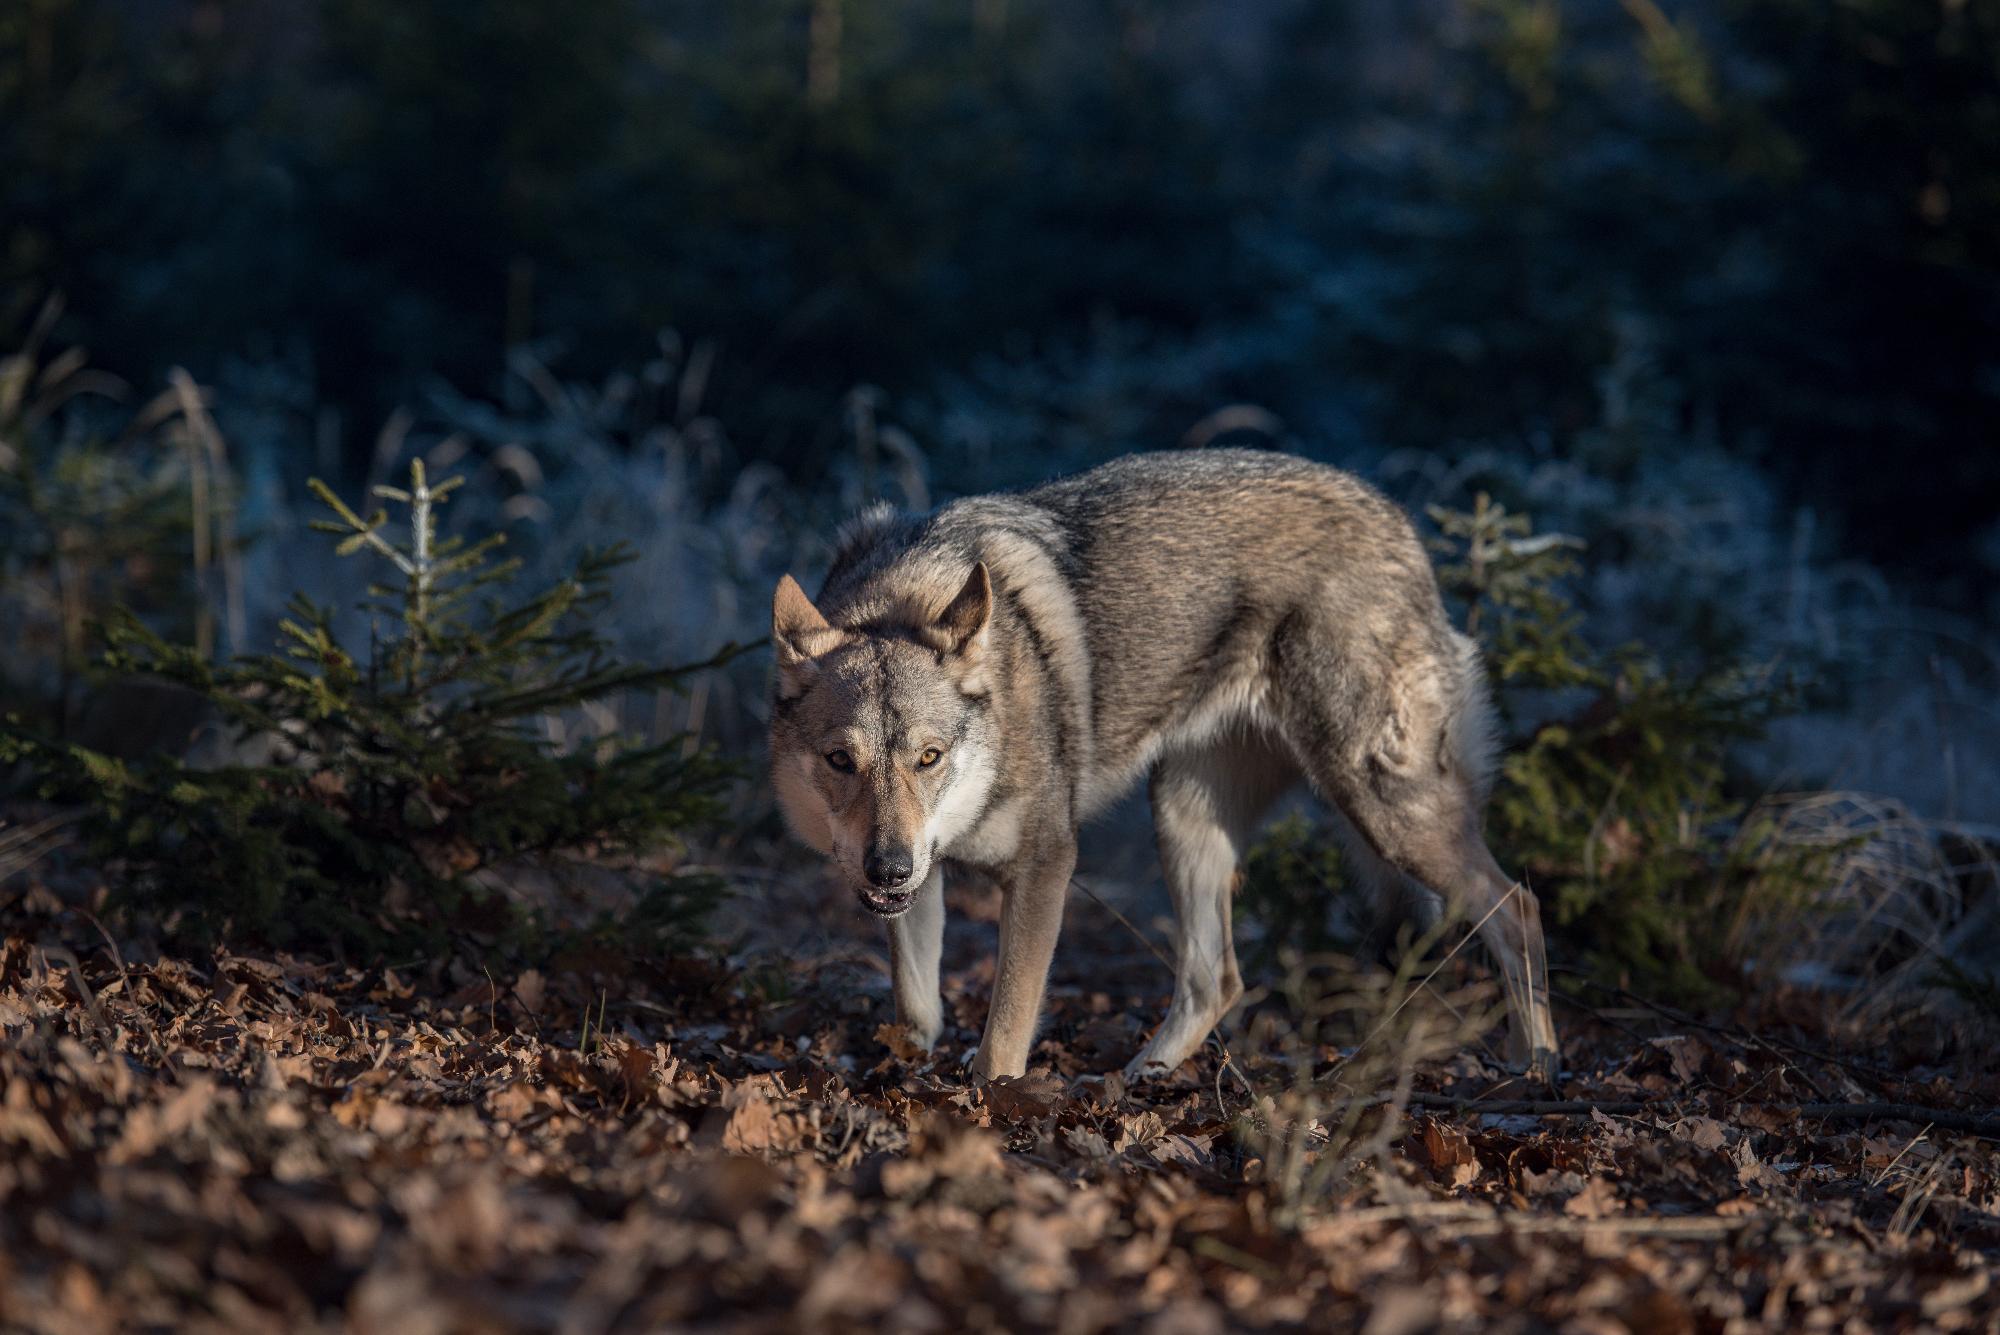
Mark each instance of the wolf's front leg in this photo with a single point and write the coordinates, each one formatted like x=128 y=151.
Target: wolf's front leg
x=1030 y=921
x=916 y=945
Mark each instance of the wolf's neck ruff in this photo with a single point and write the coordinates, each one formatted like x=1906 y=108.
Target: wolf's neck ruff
x=1229 y=623
x=891 y=571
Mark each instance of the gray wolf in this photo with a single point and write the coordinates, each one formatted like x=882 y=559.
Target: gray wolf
x=973 y=684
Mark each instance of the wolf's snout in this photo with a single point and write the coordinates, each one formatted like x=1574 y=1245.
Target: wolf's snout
x=888 y=868
x=890 y=872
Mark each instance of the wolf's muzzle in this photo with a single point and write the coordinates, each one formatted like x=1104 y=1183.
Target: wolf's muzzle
x=888 y=868
x=885 y=903
x=891 y=875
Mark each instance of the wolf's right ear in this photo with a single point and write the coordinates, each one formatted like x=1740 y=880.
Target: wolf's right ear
x=799 y=634
x=962 y=624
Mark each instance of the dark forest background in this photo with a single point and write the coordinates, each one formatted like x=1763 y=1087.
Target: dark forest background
x=1428 y=218
x=1629 y=265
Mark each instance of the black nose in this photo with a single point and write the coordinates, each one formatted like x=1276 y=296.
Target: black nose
x=887 y=868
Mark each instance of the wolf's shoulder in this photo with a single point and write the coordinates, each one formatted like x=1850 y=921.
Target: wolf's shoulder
x=885 y=553
x=1201 y=464
x=1053 y=519
x=882 y=532
x=1164 y=472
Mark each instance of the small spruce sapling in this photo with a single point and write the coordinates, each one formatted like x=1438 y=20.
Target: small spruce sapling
x=1614 y=803
x=395 y=782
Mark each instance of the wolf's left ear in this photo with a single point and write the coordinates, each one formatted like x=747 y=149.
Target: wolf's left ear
x=799 y=634
x=963 y=622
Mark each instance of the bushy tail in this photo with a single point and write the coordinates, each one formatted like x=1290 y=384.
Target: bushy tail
x=1471 y=732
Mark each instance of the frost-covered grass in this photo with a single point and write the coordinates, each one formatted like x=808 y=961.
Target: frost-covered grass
x=1688 y=547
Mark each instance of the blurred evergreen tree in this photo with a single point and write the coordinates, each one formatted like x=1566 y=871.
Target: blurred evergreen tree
x=1876 y=349
x=1431 y=217
x=374 y=790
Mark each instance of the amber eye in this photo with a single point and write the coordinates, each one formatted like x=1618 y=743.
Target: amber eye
x=930 y=757
x=841 y=761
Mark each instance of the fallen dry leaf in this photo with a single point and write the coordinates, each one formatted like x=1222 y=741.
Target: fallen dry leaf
x=1597 y=1200
x=255 y=1141
x=1447 y=1153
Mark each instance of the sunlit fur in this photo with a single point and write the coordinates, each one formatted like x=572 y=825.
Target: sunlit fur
x=1225 y=622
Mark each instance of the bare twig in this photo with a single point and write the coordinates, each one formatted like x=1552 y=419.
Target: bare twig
x=1125 y=922
x=65 y=956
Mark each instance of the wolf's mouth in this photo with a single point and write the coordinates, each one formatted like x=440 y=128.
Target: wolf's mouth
x=885 y=903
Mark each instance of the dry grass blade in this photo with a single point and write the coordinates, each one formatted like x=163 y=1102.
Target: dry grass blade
x=1917 y=1198
x=1318 y=1132
x=1126 y=923
x=1889 y=902
x=1883 y=1176
x=214 y=528
x=1422 y=984
x=22 y=846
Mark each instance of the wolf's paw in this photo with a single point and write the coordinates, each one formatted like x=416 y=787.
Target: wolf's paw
x=1106 y=1086
x=1144 y=1069
x=908 y=1040
x=1543 y=1067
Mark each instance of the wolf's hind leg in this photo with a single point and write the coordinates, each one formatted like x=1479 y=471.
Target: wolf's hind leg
x=1206 y=805
x=916 y=947
x=1398 y=744
x=1510 y=923
x=1441 y=849
x=1389 y=899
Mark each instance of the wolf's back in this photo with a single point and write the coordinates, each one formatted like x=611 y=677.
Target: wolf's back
x=1160 y=591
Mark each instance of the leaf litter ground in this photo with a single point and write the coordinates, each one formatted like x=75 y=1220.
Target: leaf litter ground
x=255 y=1141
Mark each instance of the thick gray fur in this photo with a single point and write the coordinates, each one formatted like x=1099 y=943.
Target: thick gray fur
x=1225 y=623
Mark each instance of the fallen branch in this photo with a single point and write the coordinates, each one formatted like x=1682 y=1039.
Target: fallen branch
x=1528 y=1107
x=1743 y=1035
x=1468 y=1220
x=1986 y=1125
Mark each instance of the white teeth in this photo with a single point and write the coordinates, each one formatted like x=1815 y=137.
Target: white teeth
x=888 y=907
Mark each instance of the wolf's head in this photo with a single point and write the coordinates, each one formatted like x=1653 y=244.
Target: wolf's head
x=882 y=740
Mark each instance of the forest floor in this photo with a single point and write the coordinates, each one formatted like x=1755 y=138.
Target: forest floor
x=256 y=1141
